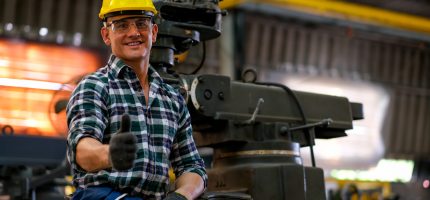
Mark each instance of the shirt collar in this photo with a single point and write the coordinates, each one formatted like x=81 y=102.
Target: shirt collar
x=118 y=68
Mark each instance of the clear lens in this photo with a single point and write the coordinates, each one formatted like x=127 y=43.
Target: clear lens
x=123 y=25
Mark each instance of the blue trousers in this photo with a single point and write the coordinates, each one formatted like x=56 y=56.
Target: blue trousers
x=99 y=193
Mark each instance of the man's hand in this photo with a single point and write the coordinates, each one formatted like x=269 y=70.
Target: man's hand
x=122 y=146
x=175 y=196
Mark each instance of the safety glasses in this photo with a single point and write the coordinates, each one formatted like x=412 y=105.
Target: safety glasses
x=123 y=25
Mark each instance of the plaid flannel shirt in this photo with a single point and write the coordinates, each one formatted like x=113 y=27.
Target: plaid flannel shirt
x=163 y=129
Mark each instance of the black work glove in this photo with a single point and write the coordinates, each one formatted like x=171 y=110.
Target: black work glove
x=175 y=196
x=122 y=146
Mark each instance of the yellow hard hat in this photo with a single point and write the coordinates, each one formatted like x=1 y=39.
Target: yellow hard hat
x=121 y=7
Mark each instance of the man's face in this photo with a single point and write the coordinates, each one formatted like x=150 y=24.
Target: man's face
x=130 y=36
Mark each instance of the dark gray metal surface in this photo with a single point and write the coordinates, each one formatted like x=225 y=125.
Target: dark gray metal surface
x=18 y=150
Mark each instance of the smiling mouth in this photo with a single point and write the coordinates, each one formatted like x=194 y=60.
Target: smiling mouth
x=134 y=43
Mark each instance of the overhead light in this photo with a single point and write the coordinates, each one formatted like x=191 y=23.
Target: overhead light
x=43 y=31
x=44 y=85
x=9 y=27
x=77 y=39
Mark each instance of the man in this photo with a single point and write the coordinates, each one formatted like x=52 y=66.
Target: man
x=126 y=126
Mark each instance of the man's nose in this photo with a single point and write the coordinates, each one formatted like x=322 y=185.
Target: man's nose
x=132 y=29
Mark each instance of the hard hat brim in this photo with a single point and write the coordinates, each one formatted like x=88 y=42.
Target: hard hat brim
x=128 y=12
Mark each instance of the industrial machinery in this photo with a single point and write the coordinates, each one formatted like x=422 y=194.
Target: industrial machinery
x=255 y=129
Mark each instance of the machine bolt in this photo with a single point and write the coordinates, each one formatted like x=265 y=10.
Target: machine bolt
x=207 y=94
x=221 y=95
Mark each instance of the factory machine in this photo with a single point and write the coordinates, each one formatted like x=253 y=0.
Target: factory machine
x=254 y=129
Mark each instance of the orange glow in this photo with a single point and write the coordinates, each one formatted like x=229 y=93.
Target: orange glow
x=25 y=106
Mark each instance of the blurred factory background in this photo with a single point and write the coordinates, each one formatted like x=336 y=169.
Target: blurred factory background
x=376 y=52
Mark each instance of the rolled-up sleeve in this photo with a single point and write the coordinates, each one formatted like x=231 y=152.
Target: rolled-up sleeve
x=185 y=157
x=86 y=115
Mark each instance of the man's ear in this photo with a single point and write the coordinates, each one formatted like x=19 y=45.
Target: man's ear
x=105 y=35
x=154 y=33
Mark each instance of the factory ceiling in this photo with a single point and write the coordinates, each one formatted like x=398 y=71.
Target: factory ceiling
x=71 y=22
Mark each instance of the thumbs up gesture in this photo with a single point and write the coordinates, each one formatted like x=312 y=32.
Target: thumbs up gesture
x=122 y=146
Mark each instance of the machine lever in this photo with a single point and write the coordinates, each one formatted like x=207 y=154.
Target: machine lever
x=322 y=123
x=254 y=114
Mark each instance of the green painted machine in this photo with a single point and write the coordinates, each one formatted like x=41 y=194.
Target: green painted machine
x=255 y=129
